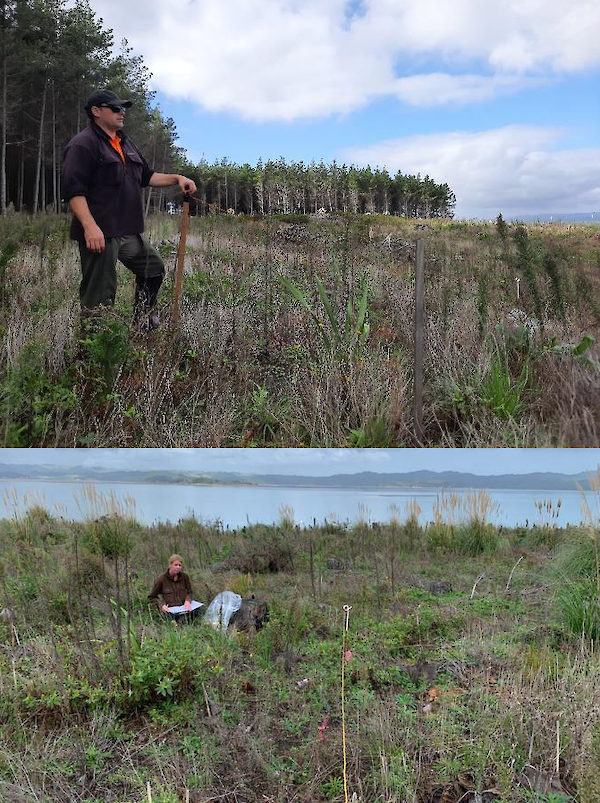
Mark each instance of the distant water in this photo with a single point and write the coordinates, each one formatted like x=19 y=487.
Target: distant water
x=236 y=506
x=565 y=217
x=548 y=217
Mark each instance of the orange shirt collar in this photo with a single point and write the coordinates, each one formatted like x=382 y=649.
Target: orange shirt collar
x=116 y=143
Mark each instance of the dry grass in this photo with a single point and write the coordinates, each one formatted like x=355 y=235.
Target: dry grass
x=248 y=365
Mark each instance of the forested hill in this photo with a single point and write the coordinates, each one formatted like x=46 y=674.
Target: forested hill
x=435 y=480
x=52 y=57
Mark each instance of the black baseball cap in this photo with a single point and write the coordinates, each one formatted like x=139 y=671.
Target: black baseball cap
x=104 y=97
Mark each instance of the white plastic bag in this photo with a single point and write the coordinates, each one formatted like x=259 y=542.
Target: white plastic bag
x=222 y=608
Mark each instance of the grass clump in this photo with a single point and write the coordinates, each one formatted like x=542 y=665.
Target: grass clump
x=578 y=604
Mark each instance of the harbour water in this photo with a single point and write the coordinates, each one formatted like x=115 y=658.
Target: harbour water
x=237 y=505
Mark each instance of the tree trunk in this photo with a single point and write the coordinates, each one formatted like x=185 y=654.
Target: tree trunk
x=55 y=198
x=149 y=194
x=21 y=178
x=4 y=124
x=43 y=181
x=38 y=169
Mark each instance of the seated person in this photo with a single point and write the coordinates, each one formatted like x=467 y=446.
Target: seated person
x=176 y=591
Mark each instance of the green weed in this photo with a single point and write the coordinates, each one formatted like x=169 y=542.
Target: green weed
x=31 y=399
x=502 y=393
x=374 y=435
x=106 y=342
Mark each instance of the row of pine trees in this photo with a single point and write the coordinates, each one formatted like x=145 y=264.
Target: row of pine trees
x=280 y=188
x=52 y=57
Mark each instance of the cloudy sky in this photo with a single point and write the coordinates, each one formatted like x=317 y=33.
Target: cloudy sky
x=318 y=462
x=499 y=100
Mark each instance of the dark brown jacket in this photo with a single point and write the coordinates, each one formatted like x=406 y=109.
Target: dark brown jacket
x=173 y=591
x=92 y=168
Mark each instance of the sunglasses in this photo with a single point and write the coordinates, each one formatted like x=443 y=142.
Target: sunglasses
x=115 y=109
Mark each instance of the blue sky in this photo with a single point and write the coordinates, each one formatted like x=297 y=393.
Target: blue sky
x=319 y=462
x=499 y=100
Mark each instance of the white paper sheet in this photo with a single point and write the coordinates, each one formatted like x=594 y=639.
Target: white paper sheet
x=183 y=609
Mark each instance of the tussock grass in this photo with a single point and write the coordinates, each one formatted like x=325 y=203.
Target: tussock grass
x=301 y=334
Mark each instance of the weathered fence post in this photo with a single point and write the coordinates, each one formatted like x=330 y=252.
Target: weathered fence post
x=419 y=339
x=180 y=255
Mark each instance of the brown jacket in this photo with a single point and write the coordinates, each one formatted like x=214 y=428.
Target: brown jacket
x=173 y=591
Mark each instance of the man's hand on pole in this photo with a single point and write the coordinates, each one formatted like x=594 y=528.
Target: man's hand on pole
x=186 y=185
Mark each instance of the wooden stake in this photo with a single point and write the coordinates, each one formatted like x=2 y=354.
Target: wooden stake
x=419 y=340
x=206 y=700
x=180 y=256
x=149 y=792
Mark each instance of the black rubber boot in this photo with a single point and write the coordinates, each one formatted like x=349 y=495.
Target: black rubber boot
x=146 y=292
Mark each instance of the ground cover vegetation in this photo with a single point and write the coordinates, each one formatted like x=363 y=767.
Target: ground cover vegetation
x=469 y=667
x=298 y=331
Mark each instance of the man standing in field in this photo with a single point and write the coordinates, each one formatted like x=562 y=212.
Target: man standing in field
x=103 y=173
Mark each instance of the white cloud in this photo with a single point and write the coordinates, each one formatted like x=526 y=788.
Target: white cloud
x=434 y=89
x=514 y=170
x=289 y=59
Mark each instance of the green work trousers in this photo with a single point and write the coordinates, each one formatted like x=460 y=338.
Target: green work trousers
x=99 y=283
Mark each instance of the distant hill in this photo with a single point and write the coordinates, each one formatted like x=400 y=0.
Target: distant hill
x=85 y=474
x=539 y=481
x=434 y=479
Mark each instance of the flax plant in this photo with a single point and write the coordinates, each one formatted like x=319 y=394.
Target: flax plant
x=355 y=331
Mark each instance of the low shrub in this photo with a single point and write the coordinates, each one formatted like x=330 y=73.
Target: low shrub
x=264 y=550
